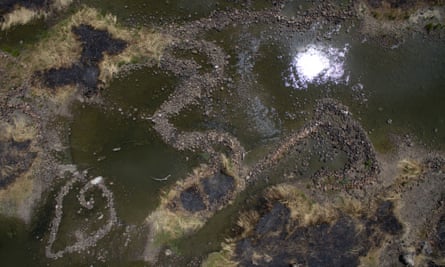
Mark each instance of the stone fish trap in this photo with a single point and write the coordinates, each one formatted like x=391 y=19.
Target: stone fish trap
x=82 y=243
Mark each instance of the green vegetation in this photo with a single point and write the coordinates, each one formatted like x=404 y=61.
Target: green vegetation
x=433 y=27
x=220 y=259
x=12 y=51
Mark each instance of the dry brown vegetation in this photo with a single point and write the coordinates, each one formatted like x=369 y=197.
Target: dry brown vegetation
x=22 y=15
x=247 y=221
x=221 y=258
x=20 y=129
x=387 y=20
x=302 y=209
x=166 y=226
x=303 y=212
x=61 y=48
x=409 y=168
x=350 y=205
x=169 y=221
x=15 y=200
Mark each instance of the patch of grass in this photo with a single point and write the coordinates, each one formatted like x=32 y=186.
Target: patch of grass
x=12 y=51
x=302 y=209
x=221 y=258
x=247 y=221
x=429 y=27
x=168 y=226
x=371 y=259
x=433 y=26
x=409 y=168
x=60 y=47
x=350 y=206
x=368 y=164
x=22 y=15
x=21 y=129
x=227 y=167
x=16 y=199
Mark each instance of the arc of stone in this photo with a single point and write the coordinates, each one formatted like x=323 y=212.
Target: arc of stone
x=277 y=154
x=82 y=243
x=187 y=93
x=330 y=117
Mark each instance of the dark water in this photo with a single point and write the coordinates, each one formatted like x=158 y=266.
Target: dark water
x=398 y=90
x=142 y=157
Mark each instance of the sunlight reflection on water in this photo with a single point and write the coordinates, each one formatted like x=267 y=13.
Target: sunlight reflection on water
x=317 y=64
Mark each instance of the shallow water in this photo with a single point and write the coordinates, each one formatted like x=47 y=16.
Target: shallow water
x=396 y=90
x=130 y=155
x=15 y=40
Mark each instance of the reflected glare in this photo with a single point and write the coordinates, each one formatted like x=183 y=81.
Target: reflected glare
x=317 y=64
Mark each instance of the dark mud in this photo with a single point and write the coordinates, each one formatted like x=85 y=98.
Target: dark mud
x=218 y=187
x=279 y=240
x=15 y=159
x=85 y=73
x=339 y=244
x=191 y=200
x=208 y=193
x=273 y=221
x=97 y=42
x=82 y=75
x=386 y=219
